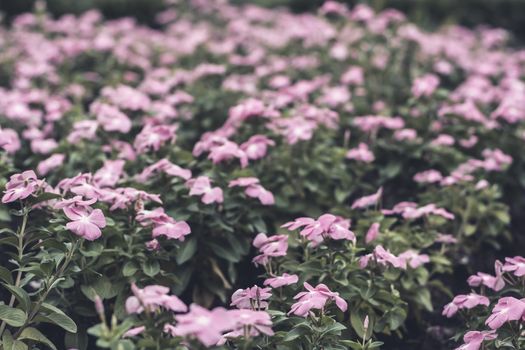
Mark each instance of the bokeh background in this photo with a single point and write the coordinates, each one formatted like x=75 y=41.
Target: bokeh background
x=508 y=14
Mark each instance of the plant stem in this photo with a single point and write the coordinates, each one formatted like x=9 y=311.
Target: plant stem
x=20 y=247
x=49 y=287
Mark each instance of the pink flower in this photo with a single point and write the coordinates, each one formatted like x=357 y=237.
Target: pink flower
x=205 y=325
x=362 y=153
x=443 y=140
x=86 y=222
x=269 y=247
x=255 y=321
x=202 y=186
x=425 y=85
x=473 y=339
x=367 y=201
x=507 y=309
x=279 y=281
x=21 y=186
x=251 y=298
x=9 y=140
x=429 y=176
x=326 y=226
x=43 y=146
x=51 y=163
x=170 y=228
x=468 y=301
x=153 y=137
x=111 y=118
x=226 y=151
x=257 y=146
x=495 y=283
x=414 y=259
x=151 y=298
x=254 y=189
x=109 y=174
x=373 y=232
x=384 y=256
x=315 y=298
x=516 y=265
x=165 y=166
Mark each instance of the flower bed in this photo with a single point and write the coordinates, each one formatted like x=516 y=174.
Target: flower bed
x=255 y=179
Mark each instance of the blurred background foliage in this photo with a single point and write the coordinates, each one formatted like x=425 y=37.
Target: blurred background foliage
x=508 y=14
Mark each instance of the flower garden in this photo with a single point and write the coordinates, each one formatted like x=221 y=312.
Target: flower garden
x=247 y=178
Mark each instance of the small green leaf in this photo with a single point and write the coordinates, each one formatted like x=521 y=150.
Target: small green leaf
x=5 y=275
x=186 y=251
x=11 y=316
x=58 y=317
x=20 y=295
x=151 y=267
x=35 y=335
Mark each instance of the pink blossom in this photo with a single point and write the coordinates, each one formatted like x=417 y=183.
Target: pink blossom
x=20 y=186
x=254 y=189
x=405 y=135
x=315 y=298
x=425 y=85
x=226 y=151
x=473 y=339
x=86 y=222
x=443 y=140
x=202 y=186
x=153 y=137
x=429 y=176
x=326 y=226
x=256 y=146
x=111 y=118
x=151 y=298
x=414 y=259
x=109 y=174
x=256 y=321
x=495 y=283
x=516 y=265
x=362 y=153
x=383 y=257
x=83 y=130
x=43 y=146
x=507 y=309
x=9 y=140
x=170 y=228
x=251 y=298
x=165 y=166
x=468 y=301
x=269 y=247
x=367 y=201
x=205 y=325
x=51 y=163
x=373 y=232
x=280 y=281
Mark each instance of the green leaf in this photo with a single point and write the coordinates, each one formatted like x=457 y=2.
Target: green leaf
x=423 y=297
x=35 y=335
x=20 y=295
x=5 y=275
x=151 y=267
x=224 y=253
x=186 y=251
x=58 y=317
x=11 y=316
x=129 y=269
x=7 y=340
x=18 y=345
x=294 y=334
x=46 y=196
